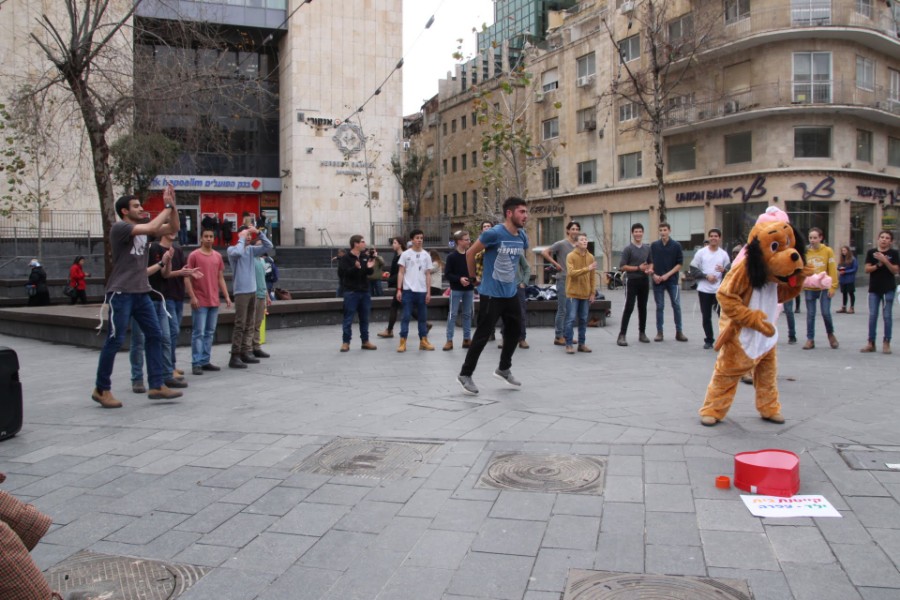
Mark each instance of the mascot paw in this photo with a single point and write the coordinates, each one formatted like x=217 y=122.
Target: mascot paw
x=776 y=418
x=708 y=421
x=767 y=329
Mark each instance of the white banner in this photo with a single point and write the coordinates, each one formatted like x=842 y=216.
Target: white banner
x=795 y=506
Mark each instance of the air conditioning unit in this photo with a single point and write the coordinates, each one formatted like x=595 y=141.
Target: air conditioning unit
x=590 y=125
x=731 y=106
x=584 y=81
x=406 y=145
x=627 y=7
x=539 y=96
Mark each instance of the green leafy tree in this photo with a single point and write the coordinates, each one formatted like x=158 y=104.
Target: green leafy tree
x=139 y=157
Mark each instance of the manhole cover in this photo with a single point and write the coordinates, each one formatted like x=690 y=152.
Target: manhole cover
x=602 y=585
x=545 y=473
x=870 y=458
x=91 y=576
x=383 y=459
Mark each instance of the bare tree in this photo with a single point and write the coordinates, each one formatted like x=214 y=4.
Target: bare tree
x=414 y=175
x=652 y=80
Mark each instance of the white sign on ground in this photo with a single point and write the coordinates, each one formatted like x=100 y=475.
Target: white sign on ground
x=795 y=506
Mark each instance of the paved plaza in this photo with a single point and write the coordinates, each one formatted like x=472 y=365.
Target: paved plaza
x=226 y=477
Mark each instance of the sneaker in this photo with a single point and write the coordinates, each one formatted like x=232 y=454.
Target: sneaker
x=621 y=341
x=659 y=336
x=707 y=345
x=524 y=345
x=105 y=399
x=174 y=383
x=680 y=337
x=560 y=341
x=448 y=346
x=642 y=338
x=387 y=333
x=507 y=376
x=138 y=387
x=570 y=349
x=345 y=347
x=367 y=345
x=792 y=340
x=249 y=359
x=163 y=393
x=260 y=353
x=493 y=337
x=500 y=345
x=236 y=362
x=210 y=367
x=467 y=384
x=584 y=348
x=197 y=370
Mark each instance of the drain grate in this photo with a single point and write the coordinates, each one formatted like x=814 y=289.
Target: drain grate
x=869 y=458
x=92 y=576
x=545 y=473
x=602 y=585
x=382 y=459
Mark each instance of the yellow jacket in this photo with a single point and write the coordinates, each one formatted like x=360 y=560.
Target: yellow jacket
x=822 y=261
x=581 y=282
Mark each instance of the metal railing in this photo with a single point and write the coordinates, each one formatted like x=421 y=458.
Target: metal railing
x=807 y=14
x=53 y=223
x=783 y=94
x=437 y=231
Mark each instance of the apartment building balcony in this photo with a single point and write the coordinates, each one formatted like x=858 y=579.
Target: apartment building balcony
x=880 y=105
x=868 y=24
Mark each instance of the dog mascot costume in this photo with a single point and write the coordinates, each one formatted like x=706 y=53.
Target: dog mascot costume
x=769 y=270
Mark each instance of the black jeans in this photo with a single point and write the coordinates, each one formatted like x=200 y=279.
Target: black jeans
x=636 y=289
x=708 y=303
x=848 y=290
x=489 y=310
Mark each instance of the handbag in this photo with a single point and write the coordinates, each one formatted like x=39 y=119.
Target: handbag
x=32 y=289
x=69 y=291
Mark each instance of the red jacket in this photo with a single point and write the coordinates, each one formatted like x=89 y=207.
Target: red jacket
x=76 y=277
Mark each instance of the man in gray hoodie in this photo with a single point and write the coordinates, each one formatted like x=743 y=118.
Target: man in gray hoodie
x=242 y=257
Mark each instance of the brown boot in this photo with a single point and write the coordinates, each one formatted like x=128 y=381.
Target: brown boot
x=424 y=344
x=367 y=345
x=886 y=347
x=448 y=346
x=851 y=311
x=402 y=346
x=833 y=341
x=467 y=343
x=387 y=333
x=163 y=393
x=345 y=347
x=105 y=398
x=524 y=345
x=809 y=345
x=869 y=347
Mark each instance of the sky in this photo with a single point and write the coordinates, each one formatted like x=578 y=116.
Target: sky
x=428 y=53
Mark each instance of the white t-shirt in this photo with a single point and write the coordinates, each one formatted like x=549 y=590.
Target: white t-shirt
x=417 y=264
x=706 y=260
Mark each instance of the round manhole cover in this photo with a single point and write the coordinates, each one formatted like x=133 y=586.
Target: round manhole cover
x=546 y=473
x=623 y=586
x=367 y=458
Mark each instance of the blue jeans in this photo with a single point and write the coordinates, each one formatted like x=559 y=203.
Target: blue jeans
x=812 y=296
x=875 y=301
x=562 y=308
x=357 y=303
x=136 y=352
x=417 y=299
x=374 y=288
x=176 y=311
x=659 y=296
x=577 y=309
x=789 y=314
x=467 y=300
x=204 y=320
x=122 y=307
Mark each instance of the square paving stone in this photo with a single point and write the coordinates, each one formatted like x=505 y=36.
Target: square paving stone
x=533 y=506
x=301 y=583
x=889 y=541
x=726 y=515
x=461 y=515
x=209 y=518
x=238 y=531
x=310 y=519
x=402 y=533
x=672 y=529
x=146 y=528
x=738 y=550
x=675 y=560
x=348 y=495
x=819 y=582
x=278 y=501
x=867 y=565
x=565 y=531
x=416 y=583
x=620 y=552
x=580 y=505
x=507 y=536
x=250 y=491
x=440 y=549
x=271 y=553
x=846 y=530
x=231 y=584
x=492 y=576
x=661 y=471
x=799 y=544
x=668 y=498
x=204 y=555
x=552 y=567
x=623 y=489
x=86 y=530
x=876 y=512
x=337 y=550
x=622 y=517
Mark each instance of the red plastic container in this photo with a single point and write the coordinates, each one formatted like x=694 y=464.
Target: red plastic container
x=770 y=472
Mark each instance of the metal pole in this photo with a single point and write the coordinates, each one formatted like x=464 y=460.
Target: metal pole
x=368 y=177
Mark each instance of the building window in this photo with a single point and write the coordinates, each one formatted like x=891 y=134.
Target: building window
x=453 y=164
x=444 y=128
x=444 y=166
x=682 y=157
x=630 y=48
x=738 y=148
x=453 y=126
x=810 y=12
x=865 y=73
x=462 y=122
x=681 y=28
x=586 y=120
x=429 y=152
x=464 y=159
x=550 y=177
x=550 y=230
x=628 y=111
x=474 y=118
x=630 y=166
x=549 y=80
x=587 y=172
x=864 y=145
x=812 y=142
x=864 y=7
x=454 y=205
x=465 y=199
x=736 y=10
x=475 y=201
x=894 y=89
x=474 y=159
x=445 y=204
x=585 y=66
x=550 y=128
x=812 y=77
x=893 y=157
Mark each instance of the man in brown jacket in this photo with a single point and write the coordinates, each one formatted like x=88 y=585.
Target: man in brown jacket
x=581 y=289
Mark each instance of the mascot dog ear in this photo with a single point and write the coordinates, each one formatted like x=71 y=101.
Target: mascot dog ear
x=756 y=265
x=799 y=244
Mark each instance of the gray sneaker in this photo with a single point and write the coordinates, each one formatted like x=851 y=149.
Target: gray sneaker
x=468 y=385
x=507 y=376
